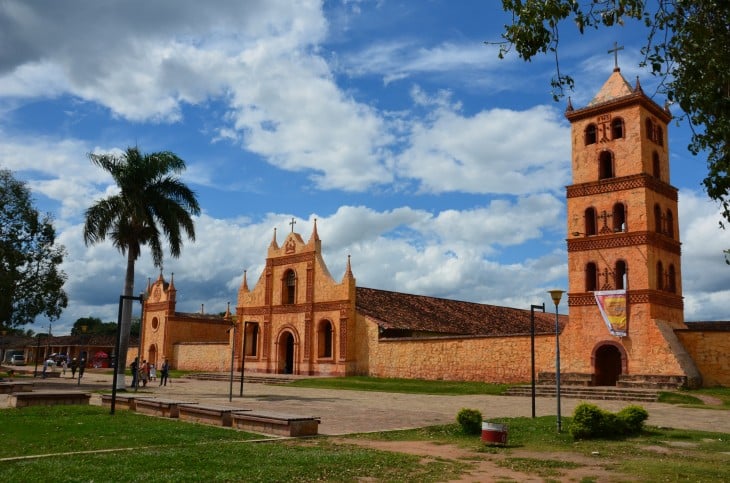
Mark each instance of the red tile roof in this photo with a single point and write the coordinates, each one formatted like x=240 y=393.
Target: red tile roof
x=401 y=311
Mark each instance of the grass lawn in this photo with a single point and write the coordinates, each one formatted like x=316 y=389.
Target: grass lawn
x=144 y=448
x=85 y=443
x=410 y=386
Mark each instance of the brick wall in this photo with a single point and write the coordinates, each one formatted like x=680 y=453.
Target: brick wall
x=214 y=357
x=711 y=354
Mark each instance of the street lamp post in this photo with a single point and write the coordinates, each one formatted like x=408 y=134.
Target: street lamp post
x=532 y=349
x=119 y=359
x=243 y=354
x=37 y=351
x=556 y=296
x=82 y=360
x=2 y=354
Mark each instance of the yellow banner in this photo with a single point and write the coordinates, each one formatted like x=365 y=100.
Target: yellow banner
x=613 y=306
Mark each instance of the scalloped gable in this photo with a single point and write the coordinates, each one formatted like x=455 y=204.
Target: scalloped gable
x=614 y=88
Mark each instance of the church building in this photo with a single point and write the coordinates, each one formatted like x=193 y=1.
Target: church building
x=626 y=320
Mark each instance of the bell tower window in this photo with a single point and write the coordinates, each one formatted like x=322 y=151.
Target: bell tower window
x=619 y=217
x=290 y=287
x=620 y=275
x=657 y=219
x=670 y=224
x=590 y=221
x=591 y=277
x=659 y=276
x=591 y=134
x=605 y=165
x=617 y=128
x=672 y=280
x=656 y=168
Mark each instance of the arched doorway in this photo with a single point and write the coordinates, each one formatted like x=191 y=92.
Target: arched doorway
x=152 y=357
x=608 y=365
x=286 y=353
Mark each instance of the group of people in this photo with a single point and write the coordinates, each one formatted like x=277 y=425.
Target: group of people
x=145 y=372
x=74 y=365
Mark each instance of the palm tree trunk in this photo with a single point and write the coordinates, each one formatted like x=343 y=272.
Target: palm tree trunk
x=126 y=320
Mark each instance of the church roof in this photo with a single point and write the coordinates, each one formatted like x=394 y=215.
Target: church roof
x=709 y=326
x=614 y=88
x=401 y=311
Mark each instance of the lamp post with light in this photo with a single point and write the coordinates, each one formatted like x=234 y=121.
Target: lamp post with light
x=82 y=360
x=556 y=295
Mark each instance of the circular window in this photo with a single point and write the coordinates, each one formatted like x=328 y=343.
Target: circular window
x=155 y=323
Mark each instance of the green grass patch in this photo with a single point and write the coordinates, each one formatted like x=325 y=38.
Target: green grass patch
x=679 y=398
x=409 y=386
x=143 y=448
x=654 y=455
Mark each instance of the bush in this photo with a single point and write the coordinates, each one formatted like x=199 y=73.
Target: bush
x=470 y=420
x=633 y=417
x=590 y=421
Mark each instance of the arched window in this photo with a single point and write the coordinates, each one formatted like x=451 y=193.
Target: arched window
x=252 y=338
x=619 y=274
x=591 y=134
x=649 y=129
x=656 y=168
x=670 y=224
x=290 y=287
x=590 y=220
x=672 y=280
x=324 y=339
x=659 y=276
x=659 y=135
x=657 y=219
x=605 y=169
x=591 y=277
x=617 y=128
x=619 y=217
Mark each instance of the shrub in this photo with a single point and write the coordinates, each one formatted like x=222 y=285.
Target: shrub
x=470 y=420
x=590 y=421
x=633 y=417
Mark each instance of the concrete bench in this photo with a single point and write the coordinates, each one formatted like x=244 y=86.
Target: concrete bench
x=6 y=387
x=124 y=401
x=202 y=413
x=166 y=408
x=48 y=398
x=276 y=423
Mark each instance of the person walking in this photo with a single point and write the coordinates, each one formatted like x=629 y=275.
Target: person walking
x=153 y=373
x=134 y=366
x=64 y=365
x=82 y=366
x=164 y=372
x=74 y=366
x=144 y=373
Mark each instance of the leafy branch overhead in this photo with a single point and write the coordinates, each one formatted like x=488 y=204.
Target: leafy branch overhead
x=687 y=45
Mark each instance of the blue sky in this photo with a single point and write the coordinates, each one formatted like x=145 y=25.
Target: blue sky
x=437 y=166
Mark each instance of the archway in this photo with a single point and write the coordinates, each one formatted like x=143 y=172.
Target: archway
x=608 y=365
x=152 y=355
x=286 y=353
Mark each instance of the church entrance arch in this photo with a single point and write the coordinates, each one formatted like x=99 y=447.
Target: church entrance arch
x=609 y=362
x=152 y=355
x=286 y=353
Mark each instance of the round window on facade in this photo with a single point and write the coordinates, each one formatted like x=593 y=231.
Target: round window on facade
x=155 y=323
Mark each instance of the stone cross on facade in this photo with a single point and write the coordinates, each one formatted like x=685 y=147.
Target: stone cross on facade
x=614 y=51
x=292 y=223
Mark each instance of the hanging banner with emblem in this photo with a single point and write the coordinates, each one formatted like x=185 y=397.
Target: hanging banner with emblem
x=613 y=305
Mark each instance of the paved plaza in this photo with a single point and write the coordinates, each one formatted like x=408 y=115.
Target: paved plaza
x=345 y=412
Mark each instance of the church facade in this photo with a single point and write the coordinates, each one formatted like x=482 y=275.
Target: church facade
x=626 y=320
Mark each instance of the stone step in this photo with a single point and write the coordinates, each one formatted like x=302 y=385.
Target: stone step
x=600 y=393
x=217 y=376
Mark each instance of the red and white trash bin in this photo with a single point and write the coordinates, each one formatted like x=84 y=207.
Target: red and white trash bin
x=494 y=433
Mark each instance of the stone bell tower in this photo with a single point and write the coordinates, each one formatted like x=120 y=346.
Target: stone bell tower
x=624 y=253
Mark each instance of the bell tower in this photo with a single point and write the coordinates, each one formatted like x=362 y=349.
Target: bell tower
x=624 y=253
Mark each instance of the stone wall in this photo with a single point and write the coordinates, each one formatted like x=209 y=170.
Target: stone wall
x=486 y=359
x=214 y=357
x=711 y=354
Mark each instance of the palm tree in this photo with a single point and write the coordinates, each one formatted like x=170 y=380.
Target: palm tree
x=153 y=203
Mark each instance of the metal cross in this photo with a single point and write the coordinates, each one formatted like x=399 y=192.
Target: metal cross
x=292 y=223
x=614 y=51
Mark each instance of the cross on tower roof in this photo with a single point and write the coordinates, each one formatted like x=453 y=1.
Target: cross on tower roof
x=614 y=51
x=292 y=223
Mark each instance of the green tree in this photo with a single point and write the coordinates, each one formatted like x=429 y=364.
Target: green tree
x=687 y=46
x=152 y=204
x=31 y=282
x=94 y=325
